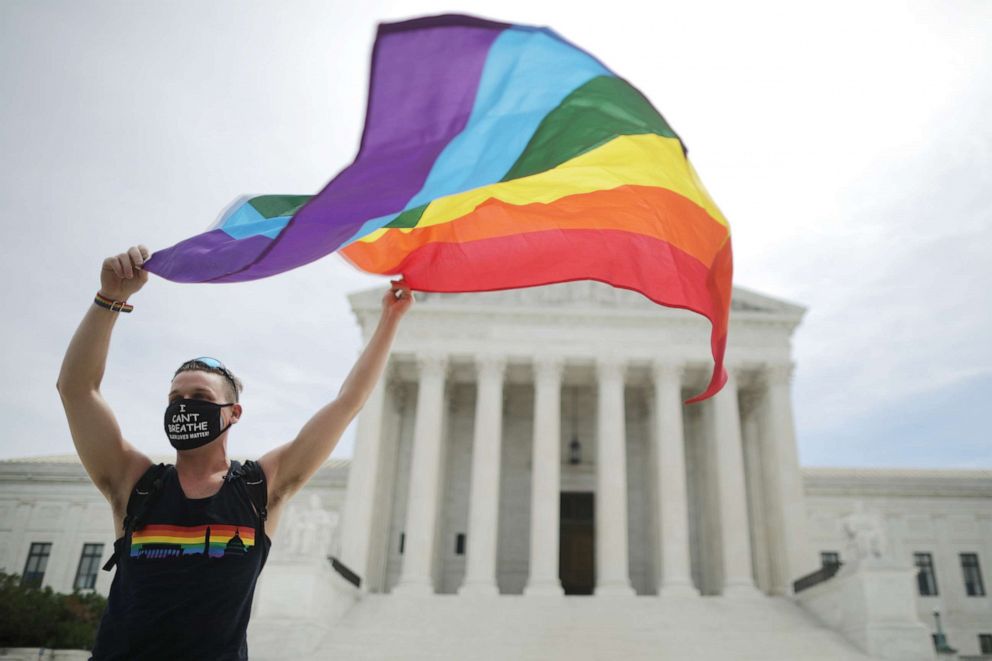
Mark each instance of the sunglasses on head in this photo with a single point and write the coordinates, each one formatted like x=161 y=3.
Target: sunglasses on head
x=211 y=363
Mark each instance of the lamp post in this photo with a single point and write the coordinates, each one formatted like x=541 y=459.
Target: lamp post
x=574 y=451
x=574 y=448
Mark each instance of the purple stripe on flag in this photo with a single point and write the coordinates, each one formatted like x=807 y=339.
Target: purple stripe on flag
x=425 y=75
x=206 y=256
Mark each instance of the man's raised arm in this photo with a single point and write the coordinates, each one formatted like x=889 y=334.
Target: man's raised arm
x=288 y=467
x=113 y=464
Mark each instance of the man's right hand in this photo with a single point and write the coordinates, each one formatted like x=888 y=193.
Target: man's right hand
x=124 y=274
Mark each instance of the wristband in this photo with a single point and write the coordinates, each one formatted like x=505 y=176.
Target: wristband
x=111 y=304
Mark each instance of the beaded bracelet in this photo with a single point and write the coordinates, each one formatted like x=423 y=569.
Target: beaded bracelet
x=111 y=304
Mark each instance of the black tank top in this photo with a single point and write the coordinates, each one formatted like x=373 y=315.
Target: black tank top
x=185 y=579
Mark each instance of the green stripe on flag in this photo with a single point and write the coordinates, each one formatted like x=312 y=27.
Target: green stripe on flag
x=592 y=115
x=408 y=218
x=273 y=206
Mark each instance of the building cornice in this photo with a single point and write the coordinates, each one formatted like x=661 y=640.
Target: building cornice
x=895 y=482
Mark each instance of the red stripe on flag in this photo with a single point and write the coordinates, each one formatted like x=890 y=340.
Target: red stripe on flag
x=655 y=268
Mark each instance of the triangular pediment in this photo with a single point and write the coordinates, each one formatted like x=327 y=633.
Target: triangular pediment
x=579 y=294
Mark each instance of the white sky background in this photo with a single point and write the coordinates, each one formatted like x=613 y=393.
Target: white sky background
x=848 y=143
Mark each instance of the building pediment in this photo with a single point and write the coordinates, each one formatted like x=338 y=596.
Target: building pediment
x=578 y=295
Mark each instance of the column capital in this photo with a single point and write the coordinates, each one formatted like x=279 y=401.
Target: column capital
x=668 y=368
x=778 y=373
x=611 y=365
x=432 y=363
x=548 y=365
x=490 y=364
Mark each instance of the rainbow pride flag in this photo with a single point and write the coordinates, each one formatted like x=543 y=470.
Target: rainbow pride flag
x=494 y=156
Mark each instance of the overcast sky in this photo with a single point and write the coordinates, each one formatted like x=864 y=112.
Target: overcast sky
x=848 y=144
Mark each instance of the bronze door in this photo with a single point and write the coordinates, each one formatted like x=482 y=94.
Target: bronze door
x=577 y=543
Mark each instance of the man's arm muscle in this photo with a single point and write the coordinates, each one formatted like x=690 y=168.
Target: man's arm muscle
x=113 y=464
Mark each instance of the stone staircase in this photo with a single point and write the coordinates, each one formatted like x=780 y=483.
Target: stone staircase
x=530 y=628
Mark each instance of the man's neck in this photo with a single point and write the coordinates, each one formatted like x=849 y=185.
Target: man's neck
x=202 y=462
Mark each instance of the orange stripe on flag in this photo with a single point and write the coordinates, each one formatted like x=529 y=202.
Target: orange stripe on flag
x=653 y=212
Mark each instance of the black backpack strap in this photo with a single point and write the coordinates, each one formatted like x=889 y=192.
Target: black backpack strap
x=253 y=479
x=142 y=497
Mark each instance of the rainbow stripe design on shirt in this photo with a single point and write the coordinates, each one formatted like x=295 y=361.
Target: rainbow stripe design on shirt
x=168 y=541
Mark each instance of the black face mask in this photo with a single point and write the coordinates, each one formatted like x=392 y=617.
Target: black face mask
x=190 y=423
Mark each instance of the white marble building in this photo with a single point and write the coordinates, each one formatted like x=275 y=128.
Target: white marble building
x=527 y=472
x=518 y=374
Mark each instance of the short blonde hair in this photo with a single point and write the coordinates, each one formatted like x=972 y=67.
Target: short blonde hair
x=198 y=365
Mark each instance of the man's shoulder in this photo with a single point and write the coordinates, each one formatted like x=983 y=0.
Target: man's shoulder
x=250 y=473
x=250 y=469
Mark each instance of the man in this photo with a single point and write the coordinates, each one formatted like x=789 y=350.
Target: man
x=197 y=532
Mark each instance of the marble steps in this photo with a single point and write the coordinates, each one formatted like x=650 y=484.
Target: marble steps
x=519 y=628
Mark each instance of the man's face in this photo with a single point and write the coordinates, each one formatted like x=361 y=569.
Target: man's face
x=194 y=384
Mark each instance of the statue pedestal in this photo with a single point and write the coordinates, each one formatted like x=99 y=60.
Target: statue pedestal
x=873 y=604
x=297 y=600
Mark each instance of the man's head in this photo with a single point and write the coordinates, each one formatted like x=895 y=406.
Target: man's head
x=191 y=424
x=223 y=383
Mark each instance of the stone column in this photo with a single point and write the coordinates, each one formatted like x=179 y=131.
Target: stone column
x=394 y=408
x=751 y=403
x=480 y=572
x=672 y=506
x=790 y=544
x=545 y=478
x=425 y=479
x=359 y=510
x=735 y=545
x=612 y=567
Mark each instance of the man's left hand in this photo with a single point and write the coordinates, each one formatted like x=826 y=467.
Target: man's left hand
x=397 y=300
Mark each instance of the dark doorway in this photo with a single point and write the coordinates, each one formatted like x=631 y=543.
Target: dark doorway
x=577 y=543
